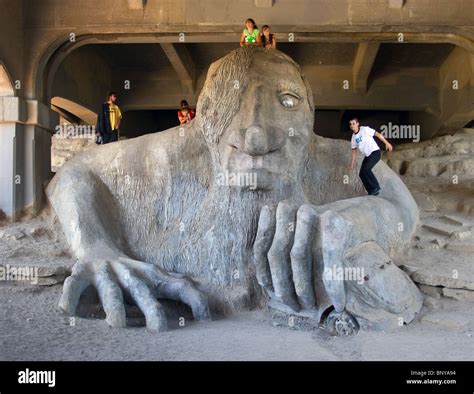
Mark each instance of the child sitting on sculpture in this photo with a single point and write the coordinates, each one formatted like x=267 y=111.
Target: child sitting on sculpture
x=251 y=34
x=268 y=38
x=185 y=114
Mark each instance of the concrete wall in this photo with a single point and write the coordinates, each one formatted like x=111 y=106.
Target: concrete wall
x=218 y=13
x=84 y=78
x=457 y=90
x=11 y=39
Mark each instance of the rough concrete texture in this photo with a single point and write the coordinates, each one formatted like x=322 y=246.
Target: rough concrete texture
x=458 y=294
x=387 y=293
x=437 y=258
x=63 y=149
x=439 y=172
x=173 y=225
x=35 y=245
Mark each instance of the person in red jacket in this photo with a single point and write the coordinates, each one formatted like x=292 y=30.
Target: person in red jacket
x=185 y=114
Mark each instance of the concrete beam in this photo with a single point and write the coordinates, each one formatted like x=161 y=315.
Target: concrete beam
x=66 y=115
x=137 y=4
x=232 y=34
x=457 y=121
x=78 y=111
x=396 y=3
x=183 y=64
x=456 y=97
x=456 y=90
x=363 y=62
x=263 y=3
x=60 y=14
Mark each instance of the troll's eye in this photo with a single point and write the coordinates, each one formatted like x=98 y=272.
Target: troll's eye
x=289 y=100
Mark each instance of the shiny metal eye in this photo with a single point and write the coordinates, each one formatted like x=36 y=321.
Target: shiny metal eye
x=289 y=101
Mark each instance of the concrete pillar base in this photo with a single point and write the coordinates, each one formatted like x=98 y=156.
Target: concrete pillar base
x=25 y=154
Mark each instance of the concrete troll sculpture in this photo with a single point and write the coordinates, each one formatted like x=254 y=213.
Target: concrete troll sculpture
x=244 y=207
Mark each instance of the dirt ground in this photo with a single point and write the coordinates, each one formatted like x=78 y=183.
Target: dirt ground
x=32 y=328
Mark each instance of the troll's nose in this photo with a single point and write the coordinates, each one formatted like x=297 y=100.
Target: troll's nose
x=256 y=141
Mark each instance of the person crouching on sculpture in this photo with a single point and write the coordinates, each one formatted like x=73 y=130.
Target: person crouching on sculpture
x=268 y=39
x=363 y=139
x=251 y=34
x=185 y=114
x=108 y=120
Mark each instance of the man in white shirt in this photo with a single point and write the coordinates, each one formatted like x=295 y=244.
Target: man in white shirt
x=363 y=139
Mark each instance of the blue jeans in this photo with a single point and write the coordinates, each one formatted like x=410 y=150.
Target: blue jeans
x=366 y=175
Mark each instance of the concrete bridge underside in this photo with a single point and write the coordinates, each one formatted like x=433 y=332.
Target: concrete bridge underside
x=412 y=56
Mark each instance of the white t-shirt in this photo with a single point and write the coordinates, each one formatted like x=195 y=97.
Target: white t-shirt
x=364 y=140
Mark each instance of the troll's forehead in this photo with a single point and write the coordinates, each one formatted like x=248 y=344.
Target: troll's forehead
x=229 y=77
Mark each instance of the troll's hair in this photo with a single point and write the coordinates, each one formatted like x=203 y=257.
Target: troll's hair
x=226 y=81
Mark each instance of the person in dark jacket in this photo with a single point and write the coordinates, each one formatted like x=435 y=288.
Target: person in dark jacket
x=108 y=120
